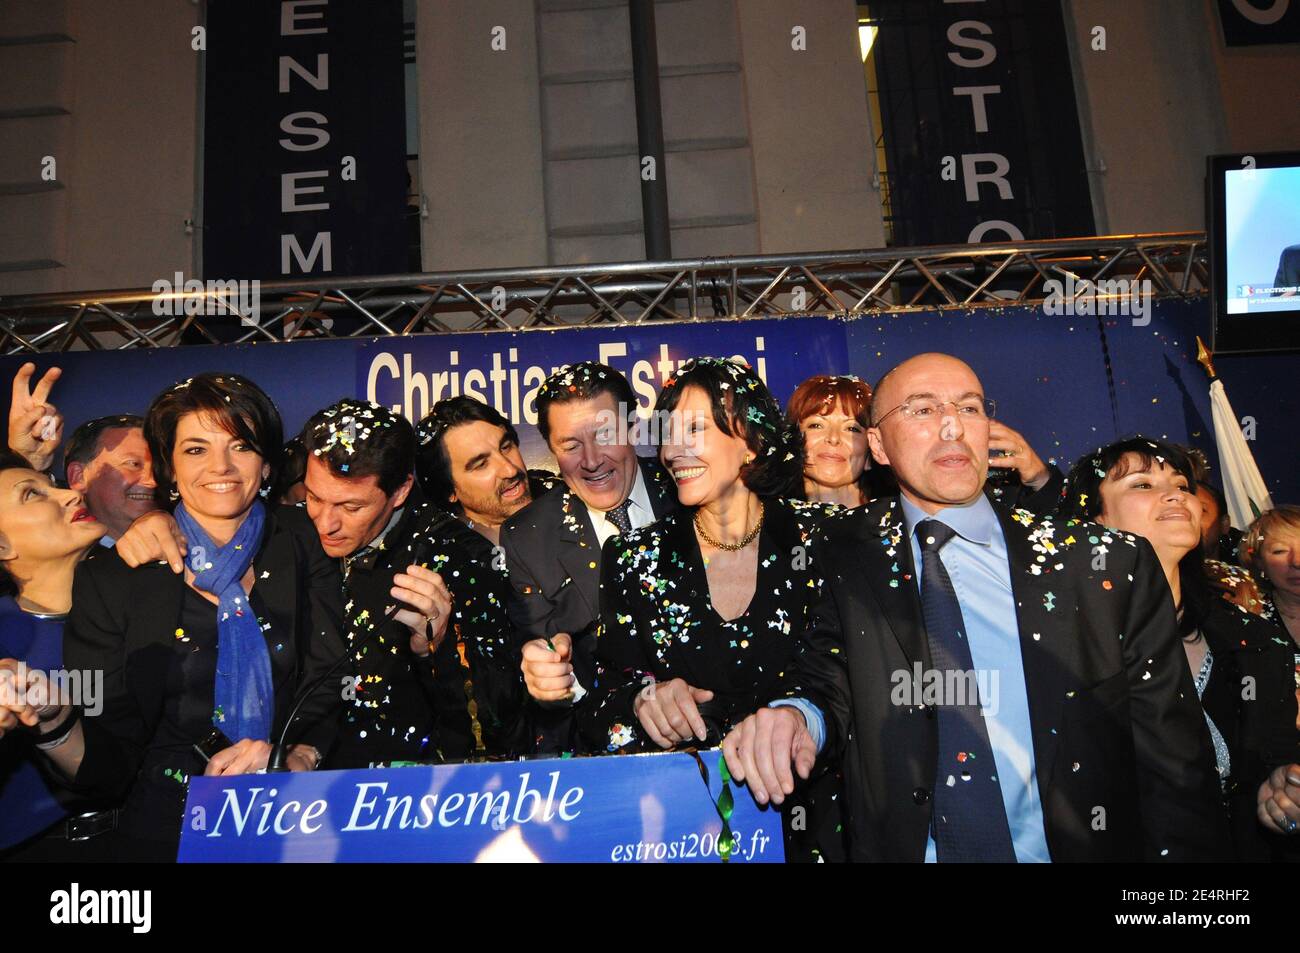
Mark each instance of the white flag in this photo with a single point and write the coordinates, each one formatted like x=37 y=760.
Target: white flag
x=1242 y=485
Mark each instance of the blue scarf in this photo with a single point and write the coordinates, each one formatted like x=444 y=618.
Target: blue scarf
x=243 y=694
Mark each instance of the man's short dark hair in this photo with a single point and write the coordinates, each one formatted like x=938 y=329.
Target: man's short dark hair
x=88 y=439
x=432 y=462
x=584 y=381
x=232 y=401
x=356 y=438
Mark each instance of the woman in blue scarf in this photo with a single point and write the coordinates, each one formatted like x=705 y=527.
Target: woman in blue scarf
x=216 y=655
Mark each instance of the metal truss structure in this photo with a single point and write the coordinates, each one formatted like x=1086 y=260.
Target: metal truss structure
x=844 y=284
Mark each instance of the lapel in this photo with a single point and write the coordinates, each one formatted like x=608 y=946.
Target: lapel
x=277 y=589
x=578 y=555
x=889 y=573
x=153 y=607
x=1048 y=640
x=659 y=487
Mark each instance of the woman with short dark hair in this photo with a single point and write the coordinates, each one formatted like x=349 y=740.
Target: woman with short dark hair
x=702 y=612
x=213 y=657
x=1242 y=676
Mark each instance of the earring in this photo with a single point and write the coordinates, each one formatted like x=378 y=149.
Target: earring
x=173 y=494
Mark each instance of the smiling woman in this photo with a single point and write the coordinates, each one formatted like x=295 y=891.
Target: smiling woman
x=1240 y=672
x=833 y=414
x=226 y=644
x=702 y=612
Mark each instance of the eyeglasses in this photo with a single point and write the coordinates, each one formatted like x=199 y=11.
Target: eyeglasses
x=921 y=409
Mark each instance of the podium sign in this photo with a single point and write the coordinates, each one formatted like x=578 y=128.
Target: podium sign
x=629 y=809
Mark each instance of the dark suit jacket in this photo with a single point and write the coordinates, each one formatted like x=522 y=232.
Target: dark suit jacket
x=124 y=622
x=1250 y=697
x=1114 y=714
x=554 y=566
x=409 y=709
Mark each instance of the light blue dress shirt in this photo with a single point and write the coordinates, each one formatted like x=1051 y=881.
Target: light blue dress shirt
x=976 y=561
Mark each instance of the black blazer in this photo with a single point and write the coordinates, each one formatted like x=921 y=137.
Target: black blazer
x=1288 y=267
x=1114 y=714
x=554 y=566
x=554 y=562
x=124 y=622
x=1250 y=697
x=671 y=630
x=406 y=708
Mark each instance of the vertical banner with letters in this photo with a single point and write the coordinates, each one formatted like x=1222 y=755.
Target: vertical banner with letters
x=981 y=128
x=304 y=139
x=1259 y=22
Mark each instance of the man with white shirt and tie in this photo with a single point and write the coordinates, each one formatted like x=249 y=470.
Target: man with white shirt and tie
x=1001 y=687
x=585 y=413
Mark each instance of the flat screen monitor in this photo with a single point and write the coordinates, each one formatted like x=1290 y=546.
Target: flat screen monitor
x=1253 y=229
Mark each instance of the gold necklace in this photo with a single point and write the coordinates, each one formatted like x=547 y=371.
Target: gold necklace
x=731 y=547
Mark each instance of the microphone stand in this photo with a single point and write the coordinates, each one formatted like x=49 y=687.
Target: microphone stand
x=276 y=762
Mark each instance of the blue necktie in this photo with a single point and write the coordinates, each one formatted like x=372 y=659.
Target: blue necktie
x=969 y=819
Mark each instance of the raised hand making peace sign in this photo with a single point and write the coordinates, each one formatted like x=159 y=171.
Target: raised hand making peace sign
x=35 y=426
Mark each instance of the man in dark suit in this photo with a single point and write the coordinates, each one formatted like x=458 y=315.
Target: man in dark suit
x=1001 y=687
x=552 y=547
x=1288 y=270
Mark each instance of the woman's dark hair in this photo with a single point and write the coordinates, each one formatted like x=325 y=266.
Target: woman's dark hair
x=432 y=463
x=586 y=380
x=235 y=403
x=10 y=461
x=743 y=406
x=356 y=438
x=1081 y=500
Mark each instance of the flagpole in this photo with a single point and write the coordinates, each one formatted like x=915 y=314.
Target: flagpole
x=1243 y=485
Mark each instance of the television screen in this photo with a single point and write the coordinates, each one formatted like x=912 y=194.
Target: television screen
x=1254 y=236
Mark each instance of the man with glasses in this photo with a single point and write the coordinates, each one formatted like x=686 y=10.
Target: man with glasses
x=1001 y=687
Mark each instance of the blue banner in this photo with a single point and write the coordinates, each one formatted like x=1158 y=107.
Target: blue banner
x=1056 y=379
x=624 y=809
x=410 y=374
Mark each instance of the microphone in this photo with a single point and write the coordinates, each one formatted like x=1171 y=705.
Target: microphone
x=420 y=556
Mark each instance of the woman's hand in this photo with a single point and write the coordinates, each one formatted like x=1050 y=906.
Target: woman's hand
x=669 y=712
x=154 y=537
x=25 y=700
x=245 y=756
x=35 y=426
x=1278 y=801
